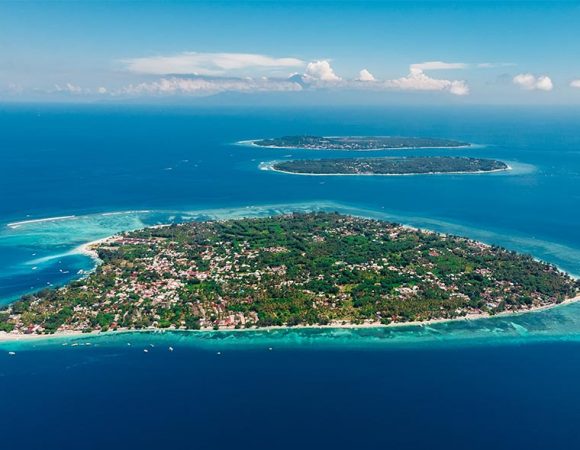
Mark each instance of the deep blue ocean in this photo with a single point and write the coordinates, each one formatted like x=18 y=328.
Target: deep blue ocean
x=509 y=382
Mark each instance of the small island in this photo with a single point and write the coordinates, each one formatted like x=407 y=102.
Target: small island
x=357 y=143
x=389 y=166
x=292 y=270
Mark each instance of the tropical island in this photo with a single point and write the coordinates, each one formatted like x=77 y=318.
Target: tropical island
x=357 y=143
x=289 y=270
x=388 y=166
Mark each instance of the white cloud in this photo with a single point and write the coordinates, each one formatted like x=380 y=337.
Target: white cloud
x=417 y=80
x=437 y=65
x=575 y=83
x=532 y=82
x=459 y=87
x=69 y=88
x=73 y=89
x=205 y=86
x=321 y=70
x=210 y=64
x=365 y=75
x=544 y=83
x=493 y=65
x=317 y=74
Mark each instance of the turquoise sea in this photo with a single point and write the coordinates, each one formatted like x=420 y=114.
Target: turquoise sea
x=506 y=382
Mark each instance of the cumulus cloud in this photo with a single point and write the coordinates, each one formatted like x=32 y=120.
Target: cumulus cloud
x=544 y=83
x=417 y=80
x=180 y=75
x=531 y=82
x=209 y=64
x=209 y=86
x=575 y=83
x=365 y=75
x=69 y=88
x=74 y=89
x=458 y=87
x=321 y=70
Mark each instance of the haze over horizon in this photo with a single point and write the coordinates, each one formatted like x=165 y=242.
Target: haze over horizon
x=290 y=52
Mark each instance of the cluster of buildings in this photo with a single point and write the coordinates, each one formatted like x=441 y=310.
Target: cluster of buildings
x=162 y=282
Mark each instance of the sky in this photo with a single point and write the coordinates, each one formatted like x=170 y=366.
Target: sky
x=487 y=52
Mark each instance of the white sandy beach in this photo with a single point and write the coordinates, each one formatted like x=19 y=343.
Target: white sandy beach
x=16 y=337
x=269 y=166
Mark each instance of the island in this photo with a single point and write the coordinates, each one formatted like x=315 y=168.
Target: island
x=388 y=166
x=306 y=269
x=357 y=143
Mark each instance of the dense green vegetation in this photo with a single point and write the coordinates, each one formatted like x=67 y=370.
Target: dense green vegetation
x=357 y=142
x=390 y=166
x=288 y=270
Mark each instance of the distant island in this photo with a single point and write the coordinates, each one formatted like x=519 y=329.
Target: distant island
x=389 y=166
x=357 y=143
x=283 y=271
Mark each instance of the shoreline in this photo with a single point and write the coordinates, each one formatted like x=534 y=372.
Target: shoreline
x=73 y=334
x=252 y=143
x=87 y=250
x=269 y=167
